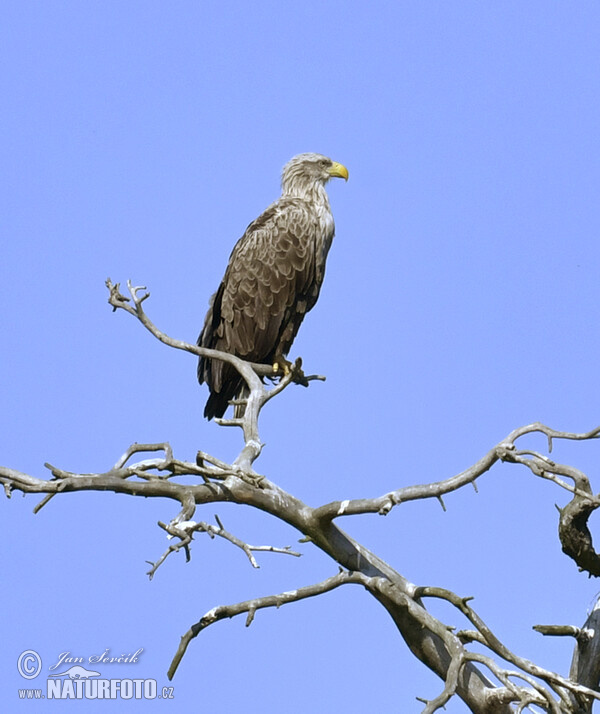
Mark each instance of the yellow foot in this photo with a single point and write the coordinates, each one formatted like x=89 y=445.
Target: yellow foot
x=284 y=367
x=281 y=364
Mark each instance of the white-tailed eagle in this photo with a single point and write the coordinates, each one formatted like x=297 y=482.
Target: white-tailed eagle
x=273 y=279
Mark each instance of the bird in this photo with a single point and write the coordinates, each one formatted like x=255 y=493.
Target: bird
x=272 y=280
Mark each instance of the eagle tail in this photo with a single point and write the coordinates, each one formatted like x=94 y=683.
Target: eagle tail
x=215 y=406
x=217 y=402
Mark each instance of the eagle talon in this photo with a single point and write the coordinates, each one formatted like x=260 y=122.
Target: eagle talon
x=282 y=367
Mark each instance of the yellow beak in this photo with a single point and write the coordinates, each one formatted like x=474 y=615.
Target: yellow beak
x=338 y=170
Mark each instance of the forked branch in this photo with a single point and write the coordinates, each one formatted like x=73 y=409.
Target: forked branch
x=250 y=372
x=185 y=532
x=436 y=644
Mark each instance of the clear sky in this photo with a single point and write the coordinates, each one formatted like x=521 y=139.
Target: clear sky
x=461 y=301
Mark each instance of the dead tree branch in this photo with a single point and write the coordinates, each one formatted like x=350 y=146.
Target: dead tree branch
x=251 y=373
x=585 y=665
x=436 y=644
x=559 y=685
x=185 y=532
x=251 y=606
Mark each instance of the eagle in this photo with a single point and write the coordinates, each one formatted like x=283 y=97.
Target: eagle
x=272 y=280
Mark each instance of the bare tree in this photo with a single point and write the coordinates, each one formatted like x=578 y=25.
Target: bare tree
x=496 y=680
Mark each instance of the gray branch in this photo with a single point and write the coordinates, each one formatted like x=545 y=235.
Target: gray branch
x=250 y=372
x=504 y=451
x=559 y=685
x=436 y=644
x=185 y=532
x=251 y=606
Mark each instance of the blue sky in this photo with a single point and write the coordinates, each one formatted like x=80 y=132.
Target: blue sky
x=139 y=139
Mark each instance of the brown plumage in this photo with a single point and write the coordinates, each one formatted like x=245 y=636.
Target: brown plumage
x=273 y=279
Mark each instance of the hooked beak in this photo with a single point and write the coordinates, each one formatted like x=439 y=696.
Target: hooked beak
x=338 y=170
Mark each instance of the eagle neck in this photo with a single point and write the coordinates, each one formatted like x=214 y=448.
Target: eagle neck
x=314 y=194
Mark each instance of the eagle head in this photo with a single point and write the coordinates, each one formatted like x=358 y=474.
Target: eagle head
x=305 y=172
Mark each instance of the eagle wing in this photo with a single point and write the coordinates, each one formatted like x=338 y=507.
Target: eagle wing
x=273 y=279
